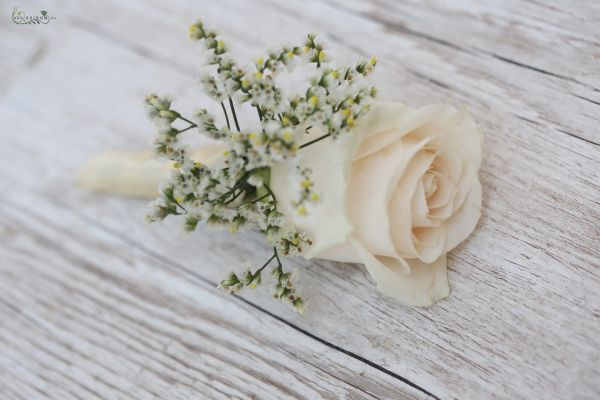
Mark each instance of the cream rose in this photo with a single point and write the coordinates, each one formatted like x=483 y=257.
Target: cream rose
x=399 y=193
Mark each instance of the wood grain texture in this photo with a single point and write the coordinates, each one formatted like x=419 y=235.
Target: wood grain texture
x=87 y=312
x=20 y=49
x=523 y=317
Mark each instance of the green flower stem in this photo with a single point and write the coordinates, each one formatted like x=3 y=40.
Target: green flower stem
x=271 y=193
x=180 y=206
x=237 y=185
x=276 y=255
x=188 y=121
x=258 y=271
x=315 y=140
x=261 y=198
x=226 y=116
x=235 y=196
x=237 y=125
x=186 y=129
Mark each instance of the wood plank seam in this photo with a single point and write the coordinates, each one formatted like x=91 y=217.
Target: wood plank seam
x=443 y=42
x=182 y=268
x=422 y=35
x=128 y=298
x=90 y=26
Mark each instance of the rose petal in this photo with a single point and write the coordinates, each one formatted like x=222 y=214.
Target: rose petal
x=452 y=163
x=464 y=186
x=444 y=193
x=438 y=119
x=419 y=208
x=343 y=252
x=400 y=203
x=327 y=225
x=398 y=120
x=429 y=184
x=425 y=285
x=429 y=242
x=462 y=223
x=468 y=139
x=383 y=116
x=372 y=184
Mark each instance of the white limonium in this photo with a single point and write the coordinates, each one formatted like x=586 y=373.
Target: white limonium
x=232 y=190
x=212 y=87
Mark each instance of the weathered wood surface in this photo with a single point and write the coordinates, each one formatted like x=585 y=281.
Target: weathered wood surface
x=77 y=316
x=96 y=303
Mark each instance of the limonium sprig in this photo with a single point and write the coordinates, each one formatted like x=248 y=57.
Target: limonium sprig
x=236 y=194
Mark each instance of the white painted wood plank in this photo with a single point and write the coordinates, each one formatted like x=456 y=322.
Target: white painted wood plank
x=523 y=316
x=85 y=315
x=554 y=38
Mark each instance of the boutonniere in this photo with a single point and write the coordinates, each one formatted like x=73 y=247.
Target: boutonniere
x=324 y=171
